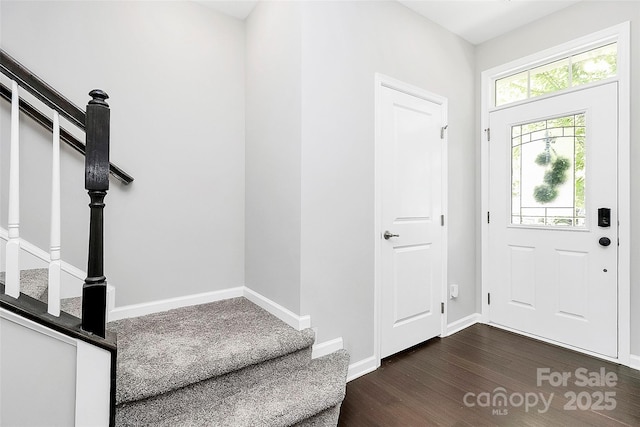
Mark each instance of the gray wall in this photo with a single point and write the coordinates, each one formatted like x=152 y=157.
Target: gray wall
x=344 y=45
x=568 y=24
x=273 y=152
x=310 y=154
x=309 y=145
x=175 y=74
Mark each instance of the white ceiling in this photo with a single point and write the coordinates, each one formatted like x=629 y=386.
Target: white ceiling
x=237 y=8
x=474 y=20
x=480 y=20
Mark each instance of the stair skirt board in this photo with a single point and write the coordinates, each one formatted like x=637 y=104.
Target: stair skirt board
x=288 y=317
x=327 y=347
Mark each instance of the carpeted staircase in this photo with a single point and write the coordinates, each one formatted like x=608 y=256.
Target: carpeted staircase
x=226 y=363
x=34 y=283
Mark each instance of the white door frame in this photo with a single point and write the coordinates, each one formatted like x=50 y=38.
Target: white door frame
x=382 y=81
x=620 y=34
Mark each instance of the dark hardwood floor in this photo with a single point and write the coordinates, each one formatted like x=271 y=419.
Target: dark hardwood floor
x=486 y=376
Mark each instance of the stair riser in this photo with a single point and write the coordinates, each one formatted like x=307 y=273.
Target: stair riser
x=153 y=410
x=309 y=394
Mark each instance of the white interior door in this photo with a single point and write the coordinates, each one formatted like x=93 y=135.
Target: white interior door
x=412 y=253
x=553 y=261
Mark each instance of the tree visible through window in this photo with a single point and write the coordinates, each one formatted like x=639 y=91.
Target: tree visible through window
x=587 y=67
x=548 y=172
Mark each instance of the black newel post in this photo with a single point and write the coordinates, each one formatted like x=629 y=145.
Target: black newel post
x=94 y=290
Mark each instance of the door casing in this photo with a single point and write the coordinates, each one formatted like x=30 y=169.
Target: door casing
x=389 y=82
x=620 y=34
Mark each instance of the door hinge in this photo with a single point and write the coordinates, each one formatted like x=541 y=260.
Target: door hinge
x=488 y=131
x=442 y=307
x=489 y=299
x=488 y=217
x=442 y=129
x=442 y=220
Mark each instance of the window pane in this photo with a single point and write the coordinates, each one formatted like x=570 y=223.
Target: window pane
x=587 y=67
x=550 y=78
x=594 y=65
x=548 y=172
x=512 y=88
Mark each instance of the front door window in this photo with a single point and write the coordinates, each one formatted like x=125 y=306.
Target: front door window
x=548 y=172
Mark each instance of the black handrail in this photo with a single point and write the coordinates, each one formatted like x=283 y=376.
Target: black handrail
x=53 y=99
x=96 y=125
x=41 y=90
x=65 y=135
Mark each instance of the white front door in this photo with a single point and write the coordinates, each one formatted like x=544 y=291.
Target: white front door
x=412 y=252
x=553 y=227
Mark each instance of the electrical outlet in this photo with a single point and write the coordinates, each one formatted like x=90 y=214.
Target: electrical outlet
x=453 y=291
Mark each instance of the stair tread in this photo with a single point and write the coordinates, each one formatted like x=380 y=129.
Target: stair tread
x=73 y=306
x=282 y=398
x=165 y=351
x=33 y=282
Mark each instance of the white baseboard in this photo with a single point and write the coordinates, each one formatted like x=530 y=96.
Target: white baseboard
x=634 y=362
x=463 y=323
x=361 y=368
x=327 y=347
x=136 y=310
x=287 y=316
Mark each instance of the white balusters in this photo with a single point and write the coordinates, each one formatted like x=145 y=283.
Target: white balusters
x=54 y=264
x=12 y=278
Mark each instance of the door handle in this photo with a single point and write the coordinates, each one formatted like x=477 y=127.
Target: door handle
x=388 y=235
x=604 y=241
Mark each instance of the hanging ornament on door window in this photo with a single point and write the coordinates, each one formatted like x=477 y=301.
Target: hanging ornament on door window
x=555 y=175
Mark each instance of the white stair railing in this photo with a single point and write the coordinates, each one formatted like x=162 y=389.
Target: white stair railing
x=12 y=278
x=54 y=263
x=12 y=275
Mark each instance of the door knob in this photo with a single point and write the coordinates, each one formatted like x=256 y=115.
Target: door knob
x=604 y=241
x=388 y=235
